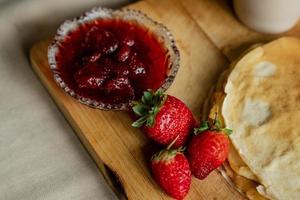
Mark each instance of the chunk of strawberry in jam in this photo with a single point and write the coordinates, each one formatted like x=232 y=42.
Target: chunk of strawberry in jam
x=94 y=81
x=110 y=45
x=123 y=53
x=128 y=39
x=120 y=88
x=92 y=58
x=93 y=68
x=137 y=68
x=93 y=75
x=92 y=37
x=101 y=40
x=120 y=70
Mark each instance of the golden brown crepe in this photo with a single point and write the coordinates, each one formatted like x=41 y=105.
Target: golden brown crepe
x=259 y=99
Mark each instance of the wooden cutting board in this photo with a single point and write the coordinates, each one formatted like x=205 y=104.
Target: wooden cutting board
x=207 y=35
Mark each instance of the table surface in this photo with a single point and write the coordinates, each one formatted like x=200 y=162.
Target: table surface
x=40 y=156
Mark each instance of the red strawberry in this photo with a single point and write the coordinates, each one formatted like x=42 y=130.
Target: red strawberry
x=208 y=150
x=171 y=171
x=163 y=118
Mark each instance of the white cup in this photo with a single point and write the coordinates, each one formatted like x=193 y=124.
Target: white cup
x=268 y=16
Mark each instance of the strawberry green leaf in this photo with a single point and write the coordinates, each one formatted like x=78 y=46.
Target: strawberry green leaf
x=227 y=131
x=140 y=109
x=147 y=97
x=155 y=110
x=203 y=127
x=148 y=107
x=158 y=93
x=157 y=97
x=138 y=123
x=217 y=124
x=214 y=125
x=150 y=121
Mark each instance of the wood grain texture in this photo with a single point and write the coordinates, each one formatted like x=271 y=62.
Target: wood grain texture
x=203 y=30
x=217 y=19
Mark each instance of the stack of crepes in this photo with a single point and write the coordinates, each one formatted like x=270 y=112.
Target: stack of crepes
x=259 y=99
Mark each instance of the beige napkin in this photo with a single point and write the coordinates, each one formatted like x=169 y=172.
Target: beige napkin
x=40 y=156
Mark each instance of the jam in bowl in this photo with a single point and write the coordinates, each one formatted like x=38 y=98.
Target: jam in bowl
x=107 y=58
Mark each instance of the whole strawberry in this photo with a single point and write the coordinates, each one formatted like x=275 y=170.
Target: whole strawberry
x=208 y=149
x=171 y=171
x=163 y=118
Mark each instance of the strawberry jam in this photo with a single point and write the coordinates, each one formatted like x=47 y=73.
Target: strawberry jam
x=112 y=61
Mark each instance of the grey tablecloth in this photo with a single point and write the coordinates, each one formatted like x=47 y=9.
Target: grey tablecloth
x=40 y=156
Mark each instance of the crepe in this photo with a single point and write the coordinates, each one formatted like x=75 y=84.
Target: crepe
x=234 y=169
x=261 y=104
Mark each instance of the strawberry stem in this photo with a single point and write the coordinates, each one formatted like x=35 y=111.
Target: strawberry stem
x=213 y=125
x=173 y=142
x=203 y=127
x=168 y=153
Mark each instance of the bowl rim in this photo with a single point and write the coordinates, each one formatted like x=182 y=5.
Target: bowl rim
x=103 y=13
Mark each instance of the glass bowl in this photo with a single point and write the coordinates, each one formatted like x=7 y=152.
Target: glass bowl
x=158 y=29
